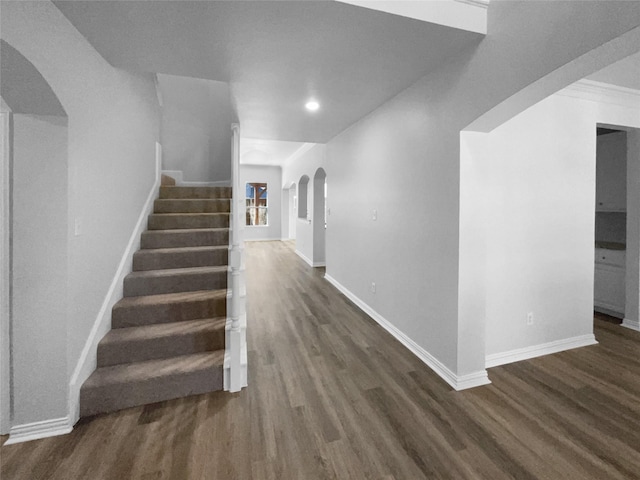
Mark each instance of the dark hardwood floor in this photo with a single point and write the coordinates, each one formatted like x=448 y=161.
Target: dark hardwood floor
x=332 y=396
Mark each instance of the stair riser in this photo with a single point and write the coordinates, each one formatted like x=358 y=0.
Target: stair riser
x=158 y=261
x=195 y=192
x=136 y=287
x=157 y=348
x=168 y=222
x=174 y=312
x=154 y=239
x=110 y=398
x=192 y=206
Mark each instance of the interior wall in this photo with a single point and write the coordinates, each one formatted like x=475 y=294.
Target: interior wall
x=113 y=127
x=318 y=217
x=632 y=273
x=306 y=164
x=272 y=176
x=403 y=160
x=40 y=270
x=293 y=215
x=196 y=128
x=539 y=186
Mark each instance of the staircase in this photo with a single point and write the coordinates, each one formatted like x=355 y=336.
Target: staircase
x=168 y=332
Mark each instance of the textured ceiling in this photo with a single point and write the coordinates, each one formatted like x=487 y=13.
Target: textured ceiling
x=275 y=54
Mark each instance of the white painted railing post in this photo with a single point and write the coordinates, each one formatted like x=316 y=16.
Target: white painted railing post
x=236 y=361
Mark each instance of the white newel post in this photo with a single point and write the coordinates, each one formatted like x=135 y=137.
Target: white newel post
x=236 y=374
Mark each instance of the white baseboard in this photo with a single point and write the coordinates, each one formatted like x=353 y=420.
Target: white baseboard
x=526 y=353
x=38 y=430
x=458 y=382
x=309 y=261
x=178 y=176
x=632 y=324
x=88 y=360
x=262 y=240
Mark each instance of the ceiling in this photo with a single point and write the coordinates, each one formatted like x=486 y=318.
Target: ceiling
x=275 y=54
x=625 y=73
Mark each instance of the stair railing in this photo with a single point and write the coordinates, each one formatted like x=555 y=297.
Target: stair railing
x=236 y=351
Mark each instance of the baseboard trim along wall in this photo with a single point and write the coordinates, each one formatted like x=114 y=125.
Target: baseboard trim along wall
x=89 y=358
x=526 y=353
x=632 y=324
x=309 y=261
x=178 y=176
x=458 y=382
x=38 y=430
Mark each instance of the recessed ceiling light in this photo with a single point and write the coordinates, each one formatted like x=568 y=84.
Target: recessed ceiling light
x=312 y=105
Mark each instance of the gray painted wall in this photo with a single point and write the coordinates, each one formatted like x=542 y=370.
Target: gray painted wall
x=407 y=152
x=196 y=128
x=39 y=277
x=113 y=126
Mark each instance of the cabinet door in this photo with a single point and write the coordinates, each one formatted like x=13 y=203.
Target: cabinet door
x=611 y=172
x=609 y=287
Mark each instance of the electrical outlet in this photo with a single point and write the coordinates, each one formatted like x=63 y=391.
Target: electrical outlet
x=373 y=287
x=375 y=215
x=530 y=318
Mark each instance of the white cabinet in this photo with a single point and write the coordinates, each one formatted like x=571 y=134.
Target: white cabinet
x=609 y=282
x=611 y=172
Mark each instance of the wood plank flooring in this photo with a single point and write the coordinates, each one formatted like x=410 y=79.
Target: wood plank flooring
x=332 y=396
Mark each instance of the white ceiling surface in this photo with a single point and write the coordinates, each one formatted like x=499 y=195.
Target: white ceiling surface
x=275 y=54
x=625 y=73
x=255 y=151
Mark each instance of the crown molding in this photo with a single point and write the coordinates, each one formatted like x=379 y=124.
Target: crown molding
x=603 y=92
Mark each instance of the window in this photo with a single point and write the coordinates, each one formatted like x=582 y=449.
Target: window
x=256 y=194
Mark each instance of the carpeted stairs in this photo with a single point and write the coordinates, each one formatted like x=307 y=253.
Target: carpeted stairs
x=168 y=332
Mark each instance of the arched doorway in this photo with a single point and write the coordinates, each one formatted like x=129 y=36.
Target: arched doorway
x=34 y=245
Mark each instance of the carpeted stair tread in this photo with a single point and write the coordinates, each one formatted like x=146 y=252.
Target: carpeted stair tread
x=194 y=192
x=169 y=221
x=140 y=371
x=137 y=344
x=122 y=386
x=168 y=307
x=187 y=237
x=173 y=280
x=180 y=257
x=192 y=205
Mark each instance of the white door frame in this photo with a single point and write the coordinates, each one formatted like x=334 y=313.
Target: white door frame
x=5 y=272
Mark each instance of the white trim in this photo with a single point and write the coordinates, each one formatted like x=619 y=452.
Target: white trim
x=308 y=261
x=38 y=430
x=88 y=360
x=178 y=176
x=526 y=353
x=603 y=93
x=277 y=239
x=5 y=274
x=461 y=382
x=632 y=324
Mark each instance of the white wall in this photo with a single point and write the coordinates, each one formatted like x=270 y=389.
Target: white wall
x=196 y=128
x=306 y=164
x=112 y=130
x=272 y=176
x=632 y=273
x=39 y=276
x=531 y=184
x=539 y=186
x=403 y=160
